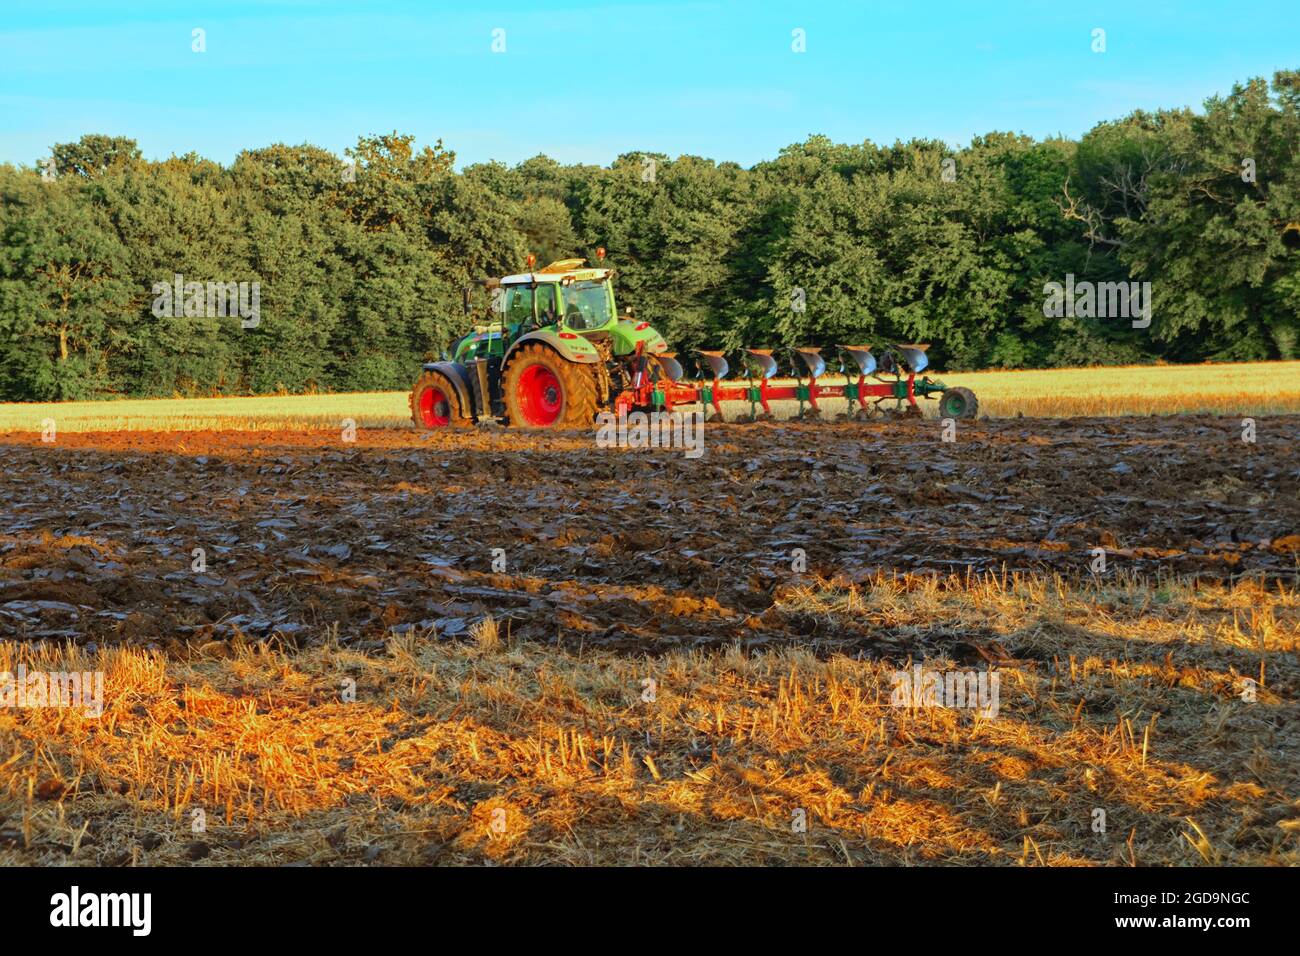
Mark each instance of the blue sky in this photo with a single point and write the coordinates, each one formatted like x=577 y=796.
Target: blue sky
x=586 y=82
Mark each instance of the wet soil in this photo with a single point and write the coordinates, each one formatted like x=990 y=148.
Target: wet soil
x=643 y=549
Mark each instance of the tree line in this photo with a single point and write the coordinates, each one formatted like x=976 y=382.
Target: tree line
x=354 y=265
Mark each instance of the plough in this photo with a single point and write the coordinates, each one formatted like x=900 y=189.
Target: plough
x=888 y=387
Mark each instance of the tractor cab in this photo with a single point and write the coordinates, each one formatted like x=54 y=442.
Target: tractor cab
x=565 y=294
x=569 y=303
x=574 y=301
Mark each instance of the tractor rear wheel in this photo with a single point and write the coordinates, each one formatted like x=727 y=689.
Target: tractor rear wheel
x=544 y=390
x=434 y=403
x=958 y=403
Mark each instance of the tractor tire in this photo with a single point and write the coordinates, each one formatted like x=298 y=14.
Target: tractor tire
x=435 y=404
x=544 y=390
x=958 y=403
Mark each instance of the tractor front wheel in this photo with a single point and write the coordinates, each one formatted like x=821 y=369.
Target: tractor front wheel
x=958 y=403
x=543 y=390
x=434 y=403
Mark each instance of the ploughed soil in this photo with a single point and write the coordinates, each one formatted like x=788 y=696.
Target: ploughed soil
x=643 y=549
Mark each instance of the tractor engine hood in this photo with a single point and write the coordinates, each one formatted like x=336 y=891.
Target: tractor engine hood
x=629 y=332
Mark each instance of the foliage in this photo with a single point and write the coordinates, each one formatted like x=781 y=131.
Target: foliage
x=361 y=261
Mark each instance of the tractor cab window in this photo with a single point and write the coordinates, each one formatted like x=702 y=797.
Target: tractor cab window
x=519 y=304
x=586 y=305
x=547 y=310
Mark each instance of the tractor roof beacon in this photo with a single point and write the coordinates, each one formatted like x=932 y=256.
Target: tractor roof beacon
x=555 y=351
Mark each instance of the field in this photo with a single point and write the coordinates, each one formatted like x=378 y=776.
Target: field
x=415 y=648
x=1261 y=388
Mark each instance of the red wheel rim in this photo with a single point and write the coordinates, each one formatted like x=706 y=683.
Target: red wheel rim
x=435 y=410
x=540 y=395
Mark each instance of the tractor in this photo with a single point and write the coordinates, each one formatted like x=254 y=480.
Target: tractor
x=560 y=352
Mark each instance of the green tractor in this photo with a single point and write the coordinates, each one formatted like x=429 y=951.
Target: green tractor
x=557 y=354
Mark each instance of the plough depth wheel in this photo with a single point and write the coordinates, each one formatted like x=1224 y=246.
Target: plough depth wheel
x=958 y=402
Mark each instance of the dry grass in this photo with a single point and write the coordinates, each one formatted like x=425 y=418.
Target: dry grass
x=1124 y=697
x=263 y=412
x=1256 y=388
x=1259 y=388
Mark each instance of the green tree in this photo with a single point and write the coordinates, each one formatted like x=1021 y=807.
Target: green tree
x=64 y=291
